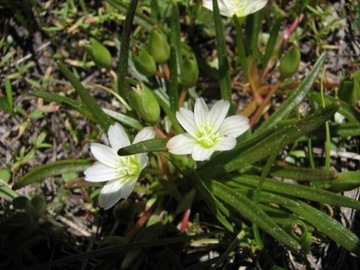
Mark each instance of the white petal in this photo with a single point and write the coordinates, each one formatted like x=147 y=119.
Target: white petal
x=147 y=133
x=142 y=160
x=117 y=136
x=245 y=8
x=186 y=119
x=200 y=112
x=224 y=7
x=234 y=126
x=225 y=143
x=181 y=144
x=199 y=153
x=127 y=189
x=99 y=173
x=218 y=113
x=105 y=154
x=110 y=194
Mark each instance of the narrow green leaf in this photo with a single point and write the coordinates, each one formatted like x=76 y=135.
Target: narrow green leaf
x=39 y=173
x=224 y=76
x=9 y=92
x=328 y=226
x=124 y=119
x=88 y=100
x=7 y=193
x=252 y=211
x=174 y=63
x=163 y=100
x=295 y=190
x=272 y=42
x=154 y=145
x=240 y=47
x=295 y=98
x=62 y=100
x=253 y=27
x=123 y=86
x=303 y=174
x=345 y=109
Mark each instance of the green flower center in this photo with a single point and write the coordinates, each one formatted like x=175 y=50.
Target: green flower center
x=128 y=166
x=207 y=136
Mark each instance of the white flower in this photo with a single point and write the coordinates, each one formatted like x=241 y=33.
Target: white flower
x=240 y=8
x=122 y=172
x=207 y=131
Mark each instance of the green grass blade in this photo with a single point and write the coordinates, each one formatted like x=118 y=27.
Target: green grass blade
x=62 y=100
x=124 y=119
x=303 y=174
x=7 y=193
x=39 y=173
x=253 y=212
x=298 y=191
x=328 y=226
x=100 y=117
x=123 y=86
x=295 y=98
x=224 y=76
x=154 y=145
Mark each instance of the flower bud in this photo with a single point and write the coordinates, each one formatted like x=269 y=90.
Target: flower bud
x=189 y=70
x=345 y=182
x=289 y=63
x=146 y=104
x=159 y=48
x=124 y=212
x=99 y=54
x=349 y=90
x=145 y=63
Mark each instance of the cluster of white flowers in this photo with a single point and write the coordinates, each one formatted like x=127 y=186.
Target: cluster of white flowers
x=207 y=131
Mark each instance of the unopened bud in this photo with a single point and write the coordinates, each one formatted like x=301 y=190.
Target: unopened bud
x=289 y=63
x=159 y=48
x=124 y=212
x=189 y=70
x=99 y=54
x=146 y=104
x=145 y=63
x=349 y=90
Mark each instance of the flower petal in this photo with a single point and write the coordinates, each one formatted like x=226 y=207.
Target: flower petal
x=147 y=133
x=99 y=173
x=142 y=160
x=244 y=8
x=199 y=153
x=234 y=126
x=127 y=189
x=117 y=136
x=110 y=194
x=218 y=113
x=104 y=154
x=201 y=112
x=224 y=7
x=181 y=144
x=225 y=143
x=186 y=119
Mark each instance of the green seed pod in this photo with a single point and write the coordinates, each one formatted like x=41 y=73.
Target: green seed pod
x=146 y=104
x=189 y=70
x=99 y=54
x=145 y=63
x=289 y=63
x=159 y=48
x=349 y=90
x=124 y=212
x=346 y=181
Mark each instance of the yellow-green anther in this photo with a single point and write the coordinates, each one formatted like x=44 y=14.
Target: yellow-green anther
x=159 y=48
x=289 y=63
x=99 y=54
x=189 y=70
x=146 y=104
x=145 y=63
